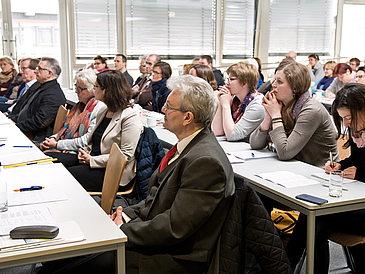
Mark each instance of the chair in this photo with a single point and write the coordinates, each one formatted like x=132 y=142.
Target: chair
x=113 y=174
x=344 y=153
x=61 y=115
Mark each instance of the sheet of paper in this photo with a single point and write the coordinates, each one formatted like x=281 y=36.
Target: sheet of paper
x=36 y=197
x=24 y=216
x=286 y=179
x=253 y=154
x=21 y=157
x=221 y=138
x=326 y=177
x=234 y=160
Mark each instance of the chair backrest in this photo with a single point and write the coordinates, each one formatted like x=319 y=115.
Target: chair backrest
x=61 y=115
x=113 y=173
x=344 y=153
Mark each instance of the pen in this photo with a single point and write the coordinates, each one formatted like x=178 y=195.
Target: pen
x=252 y=155
x=32 y=163
x=331 y=159
x=2 y=145
x=29 y=188
x=22 y=146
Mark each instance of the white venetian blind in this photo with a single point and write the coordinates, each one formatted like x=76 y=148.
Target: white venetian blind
x=170 y=28
x=305 y=26
x=95 y=28
x=239 y=29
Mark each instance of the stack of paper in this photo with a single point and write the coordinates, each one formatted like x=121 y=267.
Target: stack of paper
x=241 y=156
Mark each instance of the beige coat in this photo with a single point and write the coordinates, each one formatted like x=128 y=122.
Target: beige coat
x=124 y=129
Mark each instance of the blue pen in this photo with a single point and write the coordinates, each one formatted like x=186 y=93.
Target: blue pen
x=252 y=155
x=22 y=146
x=29 y=188
x=2 y=145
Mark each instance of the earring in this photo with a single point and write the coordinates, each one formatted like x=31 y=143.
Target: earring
x=293 y=95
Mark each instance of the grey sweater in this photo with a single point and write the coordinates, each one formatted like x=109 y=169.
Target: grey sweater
x=311 y=140
x=251 y=119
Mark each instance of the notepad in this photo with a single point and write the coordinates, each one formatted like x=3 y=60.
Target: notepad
x=253 y=154
x=286 y=179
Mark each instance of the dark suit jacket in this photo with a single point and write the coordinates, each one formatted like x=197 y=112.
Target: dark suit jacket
x=37 y=117
x=176 y=228
x=22 y=100
x=128 y=77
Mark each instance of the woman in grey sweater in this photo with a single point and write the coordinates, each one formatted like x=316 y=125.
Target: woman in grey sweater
x=299 y=126
x=239 y=110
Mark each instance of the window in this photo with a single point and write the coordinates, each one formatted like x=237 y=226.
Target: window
x=239 y=29
x=95 y=28
x=305 y=26
x=176 y=28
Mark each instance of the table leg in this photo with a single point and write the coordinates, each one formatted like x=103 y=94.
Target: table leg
x=311 y=224
x=121 y=258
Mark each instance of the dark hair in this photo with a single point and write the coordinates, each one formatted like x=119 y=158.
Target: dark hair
x=206 y=73
x=165 y=69
x=361 y=68
x=352 y=97
x=356 y=60
x=208 y=58
x=124 y=59
x=103 y=60
x=118 y=93
x=259 y=69
x=341 y=68
x=314 y=55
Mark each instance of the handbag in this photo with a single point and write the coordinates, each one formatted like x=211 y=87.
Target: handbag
x=284 y=221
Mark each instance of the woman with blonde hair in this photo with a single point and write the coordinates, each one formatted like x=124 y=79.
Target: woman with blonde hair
x=298 y=126
x=7 y=74
x=239 y=110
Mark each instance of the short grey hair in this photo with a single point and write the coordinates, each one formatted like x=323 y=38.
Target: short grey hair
x=53 y=65
x=143 y=57
x=88 y=77
x=196 y=96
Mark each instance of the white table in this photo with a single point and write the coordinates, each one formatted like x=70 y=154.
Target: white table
x=100 y=232
x=352 y=199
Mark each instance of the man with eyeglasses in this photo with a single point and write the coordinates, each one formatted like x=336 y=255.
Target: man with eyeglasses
x=360 y=75
x=120 y=63
x=27 y=88
x=36 y=119
x=142 y=93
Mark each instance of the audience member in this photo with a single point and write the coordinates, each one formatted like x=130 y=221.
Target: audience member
x=27 y=89
x=292 y=55
x=239 y=110
x=100 y=63
x=142 y=69
x=117 y=122
x=161 y=71
x=360 y=75
x=344 y=75
x=7 y=74
x=208 y=61
x=328 y=78
x=187 y=67
x=142 y=94
x=120 y=63
x=354 y=63
x=13 y=91
x=315 y=68
x=204 y=72
x=299 y=126
x=36 y=119
x=80 y=121
x=177 y=227
x=261 y=79
x=348 y=110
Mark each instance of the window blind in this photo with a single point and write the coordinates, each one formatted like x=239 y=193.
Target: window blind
x=305 y=26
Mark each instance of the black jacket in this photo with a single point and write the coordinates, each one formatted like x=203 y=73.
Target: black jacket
x=218 y=77
x=128 y=77
x=37 y=117
x=248 y=226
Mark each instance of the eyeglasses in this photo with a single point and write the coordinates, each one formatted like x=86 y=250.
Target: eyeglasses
x=40 y=68
x=23 y=68
x=229 y=80
x=79 y=89
x=166 y=107
x=156 y=72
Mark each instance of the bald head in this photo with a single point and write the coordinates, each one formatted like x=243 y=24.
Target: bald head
x=291 y=54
